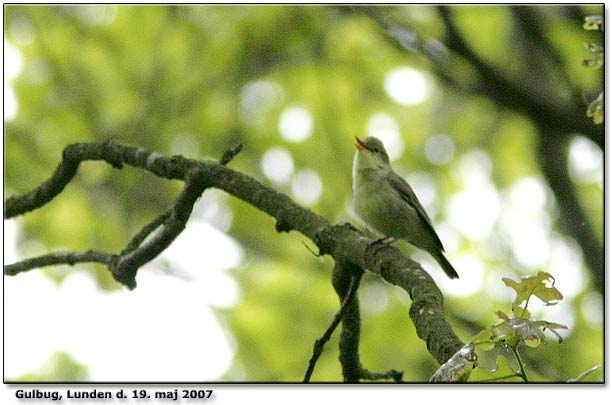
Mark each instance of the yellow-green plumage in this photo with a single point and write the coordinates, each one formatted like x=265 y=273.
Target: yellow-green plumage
x=387 y=204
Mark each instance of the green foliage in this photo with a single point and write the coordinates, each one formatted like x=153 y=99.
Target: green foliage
x=508 y=335
x=596 y=61
x=502 y=372
x=519 y=329
x=540 y=286
x=593 y=22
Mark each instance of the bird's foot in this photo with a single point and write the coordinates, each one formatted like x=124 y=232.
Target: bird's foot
x=380 y=243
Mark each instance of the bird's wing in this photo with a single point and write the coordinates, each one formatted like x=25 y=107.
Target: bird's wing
x=405 y=191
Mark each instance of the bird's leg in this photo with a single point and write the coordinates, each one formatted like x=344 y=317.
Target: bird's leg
x=381 y=243
x=385 y=240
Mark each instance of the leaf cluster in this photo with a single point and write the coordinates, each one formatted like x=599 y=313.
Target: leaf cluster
x=509 y=334
x=596 y=61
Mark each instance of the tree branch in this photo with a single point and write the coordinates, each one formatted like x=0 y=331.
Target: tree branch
x=427 y=309
x=124 y=266
x=553 y=158
x=509 y=94
x=554 y=124
x=492 y=83
x=342 y=279
x=320 y=343
x=344 y=243
x=52 y=259
x=127 y=264
x=146 y=231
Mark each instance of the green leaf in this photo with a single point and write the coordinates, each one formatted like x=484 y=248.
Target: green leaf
x=520 y=312
x=512 y=331
x=533 y=342
x=485 y=339
x=502 y=372
x=540 y=285
x=527 y=331
x=502 y=315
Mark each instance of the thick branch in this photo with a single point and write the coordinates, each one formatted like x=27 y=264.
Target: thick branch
x=319 y=344
x=427 y=311
x=553 y=158
x=131 y=259
x=351 y=323
x=14 y=206
x=347 y=245
x=343 y=279
x=500 y=89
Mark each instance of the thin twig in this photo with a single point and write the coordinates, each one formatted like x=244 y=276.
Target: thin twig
x=52 y=259
x=17 y=205
x=320 y=343
x=137 y=239
x=522 y=373
x=125 y=265
x=230 y=154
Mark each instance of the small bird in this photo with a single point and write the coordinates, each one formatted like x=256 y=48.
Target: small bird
x=387 y=204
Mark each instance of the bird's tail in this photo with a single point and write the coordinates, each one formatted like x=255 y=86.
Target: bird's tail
x=445 y=264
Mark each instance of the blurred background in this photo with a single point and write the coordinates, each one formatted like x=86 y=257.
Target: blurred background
x=483 y=109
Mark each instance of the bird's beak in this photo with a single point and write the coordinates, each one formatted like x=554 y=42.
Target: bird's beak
x=360 y=145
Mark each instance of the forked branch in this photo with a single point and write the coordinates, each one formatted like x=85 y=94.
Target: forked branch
x=343 y=242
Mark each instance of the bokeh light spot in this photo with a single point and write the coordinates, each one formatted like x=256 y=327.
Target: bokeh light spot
x=306 y=186
x=21 y=31
x=277 y=165
x=475 y=167
x=407 y=86
x=529 y=194
x=96 y=14
x=474 y=210
x=439 y=149
x=295 y=124
x=13 y=62
x=257 y=98
x=471 y=277
x=585 y=161
x=592 y=309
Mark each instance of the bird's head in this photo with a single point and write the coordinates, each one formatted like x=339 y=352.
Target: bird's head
x=371 y=153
